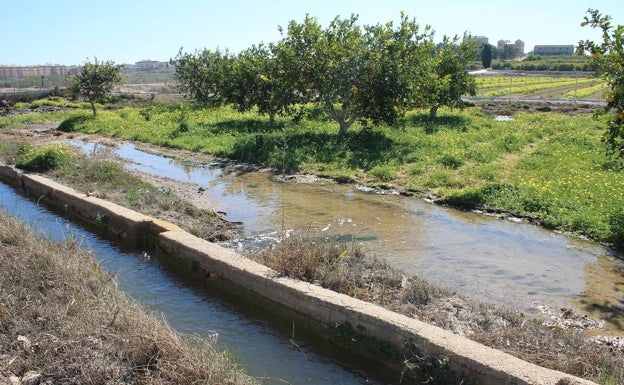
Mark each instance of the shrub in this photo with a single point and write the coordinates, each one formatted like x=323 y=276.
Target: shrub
x=45 y=158
x=70 y=123
x=452 y=159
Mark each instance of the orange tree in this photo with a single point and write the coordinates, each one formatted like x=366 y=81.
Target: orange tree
x=95 y=80
x=608 y=58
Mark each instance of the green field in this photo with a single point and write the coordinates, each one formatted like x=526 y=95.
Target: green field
x=538 y=87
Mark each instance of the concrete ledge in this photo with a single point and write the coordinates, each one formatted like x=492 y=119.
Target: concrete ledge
x=117 y=220
x=484 y=365
x=10 y=175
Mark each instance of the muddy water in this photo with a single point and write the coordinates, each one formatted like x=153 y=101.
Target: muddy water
x=499 y=261
x=258 y=341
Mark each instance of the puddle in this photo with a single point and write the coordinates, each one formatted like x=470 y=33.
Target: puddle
x=503 y=118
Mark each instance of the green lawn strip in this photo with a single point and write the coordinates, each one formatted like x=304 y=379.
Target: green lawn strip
x=546 y=165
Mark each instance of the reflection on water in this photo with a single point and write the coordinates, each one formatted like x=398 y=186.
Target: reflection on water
x=249 y=335
x=494 y=260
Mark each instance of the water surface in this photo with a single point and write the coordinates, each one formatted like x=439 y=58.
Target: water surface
x=500 y=261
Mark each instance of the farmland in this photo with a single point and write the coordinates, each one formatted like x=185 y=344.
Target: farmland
x=575 y=86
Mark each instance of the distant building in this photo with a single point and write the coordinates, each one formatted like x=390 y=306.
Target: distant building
x=510 y=50
x=146 y=66
x=519 y=44
x=481 y=40
x=553 y=50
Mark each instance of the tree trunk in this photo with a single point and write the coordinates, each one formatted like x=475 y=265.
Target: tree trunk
x=344 y=127
x=93 y=107
x=340 y=116
x=433 y=111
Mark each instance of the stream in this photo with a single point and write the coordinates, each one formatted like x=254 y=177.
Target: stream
x=505 y=262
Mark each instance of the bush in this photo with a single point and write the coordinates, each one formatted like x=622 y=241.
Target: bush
x=452 y=159
x=45 y=158
x=70 y=123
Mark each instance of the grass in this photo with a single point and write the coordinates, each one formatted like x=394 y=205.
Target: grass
x=63 y=318
x=546 y=166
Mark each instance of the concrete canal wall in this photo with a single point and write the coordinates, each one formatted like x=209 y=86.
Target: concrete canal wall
x=484 y=365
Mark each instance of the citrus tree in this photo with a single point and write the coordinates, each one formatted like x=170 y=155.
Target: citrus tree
x=256 y=80
x=95 y=81
x=203 y=75
x=608 y=58
x=448 y=80
x=357 y=73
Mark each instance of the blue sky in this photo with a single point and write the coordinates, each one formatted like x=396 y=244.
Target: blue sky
x=125 y=31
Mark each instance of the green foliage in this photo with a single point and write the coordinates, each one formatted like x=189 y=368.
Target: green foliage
x=23 y=119
x=52 y=102
x=539 y=63
x=452 y=159
x=257 y=80
x=616 y=221
x=45 y=158
x=95 y=81
x=608 y=58
x=447 y=81
x=204 y=75
x=71 y=122
x=366 y=74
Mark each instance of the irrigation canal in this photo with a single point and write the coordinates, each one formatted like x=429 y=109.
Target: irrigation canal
x=265 y=346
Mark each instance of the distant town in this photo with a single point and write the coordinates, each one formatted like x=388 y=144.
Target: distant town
x=507 y=50
x=503 y=50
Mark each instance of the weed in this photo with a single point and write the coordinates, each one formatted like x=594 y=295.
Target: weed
x=452 y=159
x=72 y=122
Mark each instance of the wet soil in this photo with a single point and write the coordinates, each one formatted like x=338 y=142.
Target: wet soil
x=508 y=107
